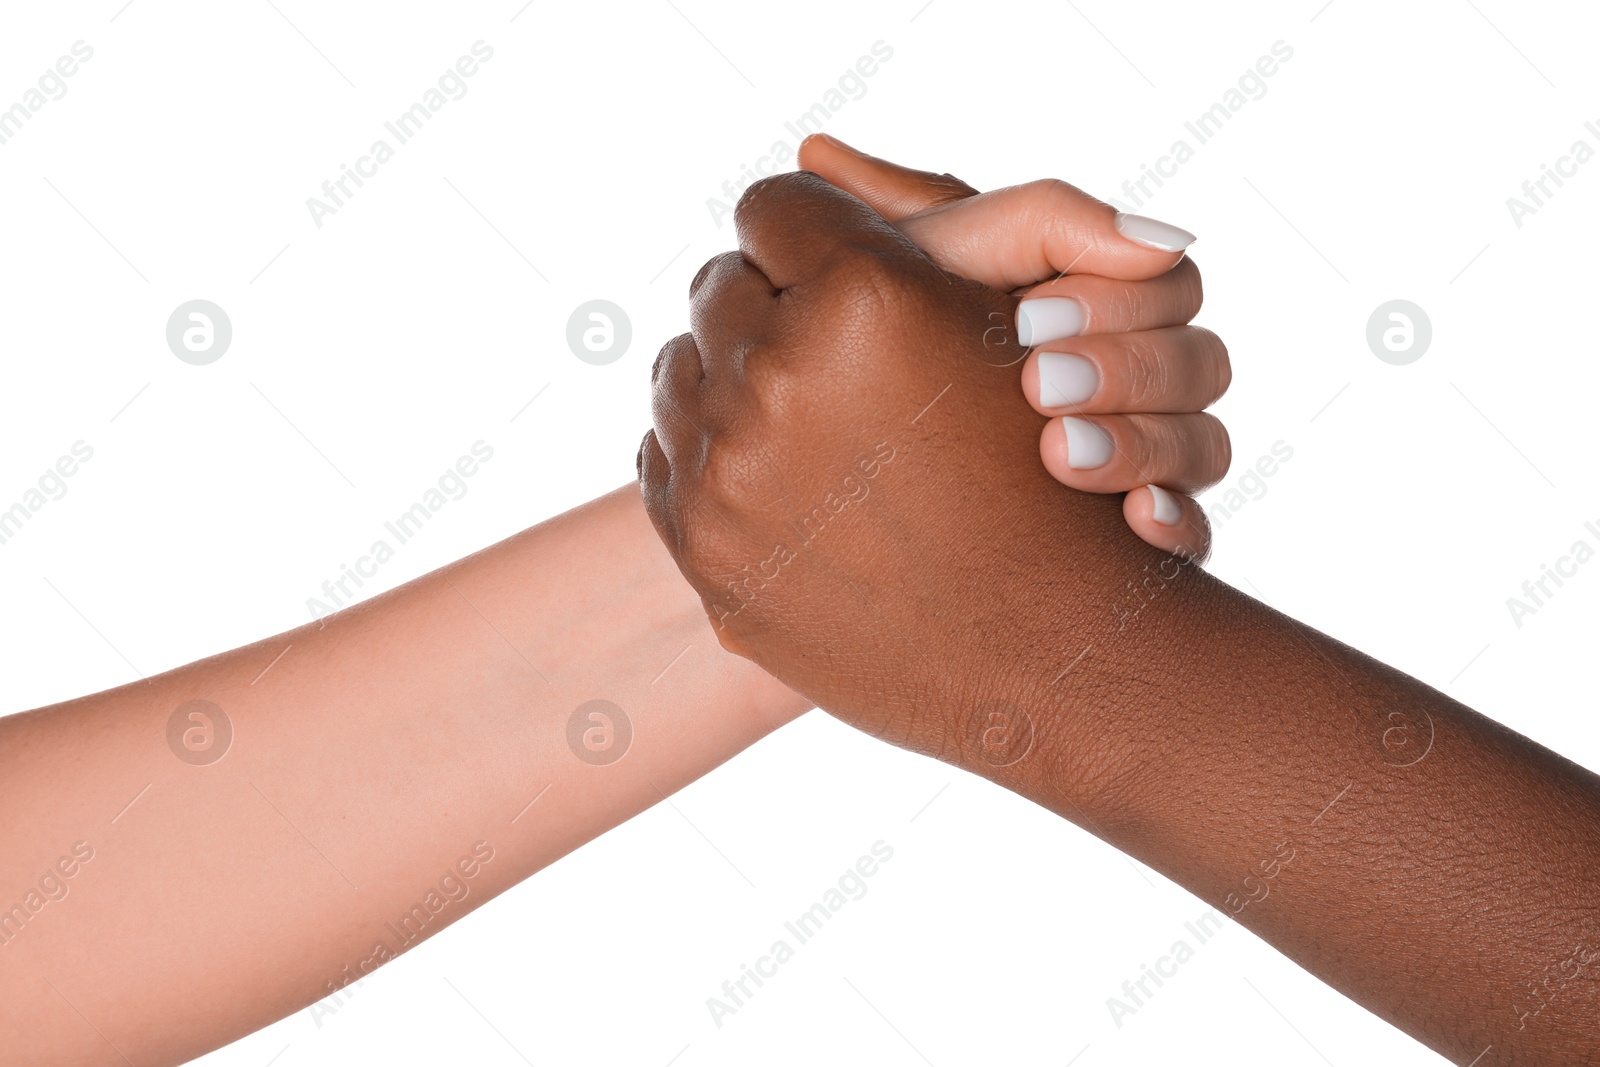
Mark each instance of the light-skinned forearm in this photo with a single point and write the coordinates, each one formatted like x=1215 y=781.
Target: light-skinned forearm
x=409 y=753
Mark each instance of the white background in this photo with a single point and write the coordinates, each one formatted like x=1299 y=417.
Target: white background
x=415 y=321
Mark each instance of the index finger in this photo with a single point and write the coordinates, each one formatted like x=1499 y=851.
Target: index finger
x=792 y=225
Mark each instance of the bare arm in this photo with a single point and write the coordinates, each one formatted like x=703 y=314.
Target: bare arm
x=1434 y=866
x=938 y=591
x=400 y=764
x=260 y=828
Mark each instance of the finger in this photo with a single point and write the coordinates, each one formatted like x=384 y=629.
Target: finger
x=888 y=188
x=675 y=399
x=1006 y=238
x=731 y=307
x=655 y=476
x=1083 y=304
x=1172 y=522
x=653 y=466
x=1116 y=453
x=792 y=226
x=1045 y=229
x=1176 y=369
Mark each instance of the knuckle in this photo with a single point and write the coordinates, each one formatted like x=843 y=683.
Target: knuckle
x=1050 y=193
x=1055 y=199
x=1206 y=451
x=1222 y=367
x=1149 y=371
x=669 y=415
x=774 y=385
x=870 y=275
x=701 y=275
x=663 y=490
x=676 y=367
x=790 y=181
x=862 y=283
x=756 y=195
x=669 y=352
x=1161 y=442
x=1191 y=293
x=675 y=413
x=730 y=472
x=1206 y=353
x=1222 y=446
x=770 y=193
x=717 y=269
x=698 y=546
x=1124 y=308
x=645 y=463
x=1060 y=208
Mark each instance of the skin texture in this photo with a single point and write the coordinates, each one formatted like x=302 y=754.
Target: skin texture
x=404 y=736
x=376 y=758
x=854 y=497
x=1038 y=239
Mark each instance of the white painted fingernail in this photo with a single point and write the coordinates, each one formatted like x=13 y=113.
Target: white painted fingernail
x=1088 y=446
x=1153 y=233
x=1065 y=379
x=1049 y=318
x=1167 y=511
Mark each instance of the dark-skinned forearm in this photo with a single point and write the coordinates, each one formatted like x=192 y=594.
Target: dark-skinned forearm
x=1431 y=864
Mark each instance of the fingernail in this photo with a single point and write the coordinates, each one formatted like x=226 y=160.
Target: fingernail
x=1167 y=510
x=1153 y=233
x=1088 y=446
x=1049 y=318
x=1065 y=379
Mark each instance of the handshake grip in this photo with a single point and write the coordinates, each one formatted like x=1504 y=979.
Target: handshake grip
x=839 y=447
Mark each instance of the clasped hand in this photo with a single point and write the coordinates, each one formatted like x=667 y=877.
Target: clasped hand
x=846 y=471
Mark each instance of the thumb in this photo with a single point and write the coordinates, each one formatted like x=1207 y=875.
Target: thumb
x=889 y=189
x=1007 y=238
